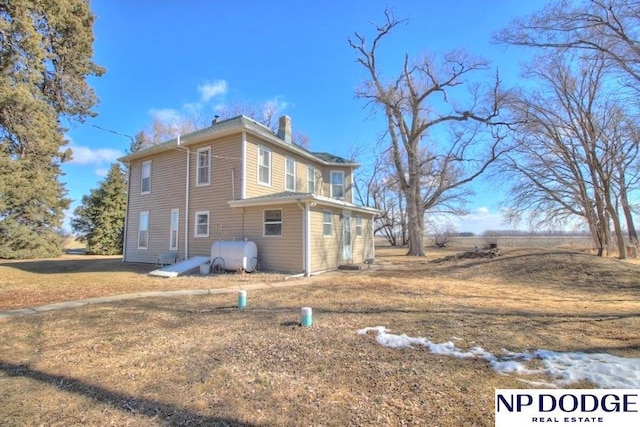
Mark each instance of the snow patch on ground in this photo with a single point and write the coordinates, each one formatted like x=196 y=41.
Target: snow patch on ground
x=602 y=370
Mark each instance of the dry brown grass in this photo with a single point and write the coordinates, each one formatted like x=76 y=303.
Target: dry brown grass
x=200 y=361
x=72 y=277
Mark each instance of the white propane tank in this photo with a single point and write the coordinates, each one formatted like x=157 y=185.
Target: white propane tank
x=240 y=255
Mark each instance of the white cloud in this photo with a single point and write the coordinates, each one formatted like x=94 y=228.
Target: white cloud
x=102 y=172
x=166 y=115
x=88 y=156
x=275 y=104
x=212 y=90
x=482 y=211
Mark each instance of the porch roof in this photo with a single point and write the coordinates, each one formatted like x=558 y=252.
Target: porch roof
x=288 y=197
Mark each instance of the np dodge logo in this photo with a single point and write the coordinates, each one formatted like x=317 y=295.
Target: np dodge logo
x=611 y=408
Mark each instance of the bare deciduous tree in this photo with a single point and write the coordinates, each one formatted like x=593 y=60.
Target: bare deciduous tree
x=443 y=232
x=415 y=103
x=573 y=144
x=606 y=36
x=376 y=186
x=609 y=28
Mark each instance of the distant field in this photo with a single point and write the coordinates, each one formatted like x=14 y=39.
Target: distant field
x=580 y=243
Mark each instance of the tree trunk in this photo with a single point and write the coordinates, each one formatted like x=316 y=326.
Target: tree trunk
x=626 y=209
x=615 y=218
x=415 y=226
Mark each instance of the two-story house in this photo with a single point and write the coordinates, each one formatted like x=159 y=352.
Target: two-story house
x=238 y=180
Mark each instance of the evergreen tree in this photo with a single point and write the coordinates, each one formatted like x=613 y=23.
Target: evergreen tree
x=100 y=217
x=45 y=58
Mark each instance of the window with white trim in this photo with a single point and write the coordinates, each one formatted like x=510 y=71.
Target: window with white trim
x=358 y=225
x=290 y=174
x=264 y=166
x=273 y=222
x=143 y=230
x=327 y=223
x=145 y=180
x=202 y=224
x=336 y=178
x=204 y=166
x=311 y=179
x=173 y=229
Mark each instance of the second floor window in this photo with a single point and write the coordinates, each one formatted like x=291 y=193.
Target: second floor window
x=264 y=166
x=311 y=179
x=145 y=182
x=337 y=184
x=204 y=166
x=290 y=174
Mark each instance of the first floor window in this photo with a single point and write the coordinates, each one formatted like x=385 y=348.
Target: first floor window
x=173 y=232
x=145 y=182
x=143 y=231
x=327 y=223
x=337 y=184
x=202 y=224
x=358 y=226
x=273 y=222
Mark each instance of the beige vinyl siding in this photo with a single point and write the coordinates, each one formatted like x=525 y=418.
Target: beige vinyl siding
x=283 y=253
x=325 y=250
x=278 y=162
x=225 y=185
x=362 y=245
x=167 y=192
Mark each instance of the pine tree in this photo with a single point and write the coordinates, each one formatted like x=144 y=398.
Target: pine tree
x=45 y=58
x=100 y=217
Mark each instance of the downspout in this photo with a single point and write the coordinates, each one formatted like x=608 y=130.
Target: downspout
x=186 y=205
x=186 y=200
x=233 y=183
x=306 y=240
x=126 y=214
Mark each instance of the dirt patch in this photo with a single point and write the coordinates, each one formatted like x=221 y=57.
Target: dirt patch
x=200 y=361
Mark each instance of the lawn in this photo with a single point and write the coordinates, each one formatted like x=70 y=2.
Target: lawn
x=201 y=361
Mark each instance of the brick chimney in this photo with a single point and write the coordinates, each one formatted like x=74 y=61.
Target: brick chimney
x=284 y=128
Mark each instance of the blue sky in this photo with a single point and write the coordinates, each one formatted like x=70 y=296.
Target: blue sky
x=171 y=58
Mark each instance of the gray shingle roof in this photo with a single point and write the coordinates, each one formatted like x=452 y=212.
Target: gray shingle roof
x=240 y=122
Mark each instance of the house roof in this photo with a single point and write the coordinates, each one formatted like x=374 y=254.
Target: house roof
x=287 y=197
x=235 y=125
